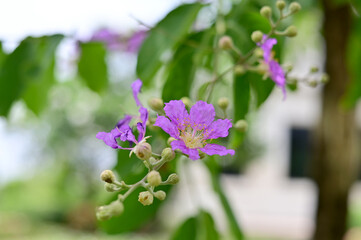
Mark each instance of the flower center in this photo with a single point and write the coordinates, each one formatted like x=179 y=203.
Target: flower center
x=192 y=138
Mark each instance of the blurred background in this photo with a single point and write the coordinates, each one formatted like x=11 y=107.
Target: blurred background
x=66 y=71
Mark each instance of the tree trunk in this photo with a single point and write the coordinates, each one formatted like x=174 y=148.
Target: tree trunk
x=336 y=164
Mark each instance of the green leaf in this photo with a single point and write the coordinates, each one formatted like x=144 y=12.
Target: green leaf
x=28 y=64
x=92 y=65
x=36 y=93
x=261 y=88
x=241 y=95
x=164 y=36
x=188 y=230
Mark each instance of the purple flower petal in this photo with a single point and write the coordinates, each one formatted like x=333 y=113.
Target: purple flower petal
x=218 y=128
x=191 y=152
x=126 y=134
x=167 y=126
x=177 y=113
x=108 y=139
x=202 y=114
x=135 y=41
x=124 y=121
x=110 y=38
x=136 y=86
x=278 y=75
x=143 y=115
x=141 y=126
x=212 y=149
x=266 y=46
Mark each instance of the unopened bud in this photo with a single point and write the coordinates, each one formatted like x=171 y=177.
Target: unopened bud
x=314 y=69
x=313 y=83
x=145 y=198
x=223 y=103
x=143 y=150
x=160 y=195
x=168 y=154
x=170 y=140
x=225 y=43
x=152 y=160
x=288 y=67
x=172 y=179
x=239 y=70
x=241 y=125
x=154 y=178
x=294 y=7
x=107 y=176
x=266 y=11
x=156 y=104
x=187 y=102
x=257 y=36
x=325 y=78
x=280 y=4
x=109 y=187
x=258 y=52
x=106 y=212
x=291 y=31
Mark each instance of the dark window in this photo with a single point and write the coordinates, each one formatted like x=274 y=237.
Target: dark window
x=300 y=154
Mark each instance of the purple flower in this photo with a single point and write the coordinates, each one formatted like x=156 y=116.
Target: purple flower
x=192 y=130
x=110 y=38
x=135 y=41
x=122 y=129
x=275 y=70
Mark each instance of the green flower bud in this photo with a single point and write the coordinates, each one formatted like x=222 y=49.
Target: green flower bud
x=280 y=4
x=154 y=178
x=152 y=160
x=170 y=140
x=116 y=208
x=172 y=179
x=314 y=69
x=225 y=43
x=223 y=103
x=325 y=78
x=110 y=187
x=187 y=102
x=107 y=176
x=241 y=125
x=313 y=83
x=266 y=11
x=145 y=198
x=143 y=150
x=258 y=52
x=239 y=70
x=156 y=104
x=103 y=213
x=168 y=154
x=108 y=211
x=291 y=31
x=294 y=7
x=288 y=67
x=160 y=195
x=257 y=36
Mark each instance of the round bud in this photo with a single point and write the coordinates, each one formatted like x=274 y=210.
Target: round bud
x=154 y=178
x=187 y=102
x=103 y=213
x=160 y=195
x=170 y=140
x=241 y=125
x=145 y=198
x=280 y=4
x=143 y=150
x=258 y=52
x=110 y=187
x=294 y=7
x=152 y=160
x=168 y=154
x=173 y=179
x=288 y=67
x=225 y=43
x=266 y=11
x=291 y=31
x=156 y=104
x=325 y=78
x=223 y=103
x=313 y=83
x=107 y=176
x=314 y=69
x=257 y=36
x=108 y=211
x=116 y=208
x=239 y=70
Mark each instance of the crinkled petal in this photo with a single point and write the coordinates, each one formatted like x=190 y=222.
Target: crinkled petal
x=177 y=113
x=108 y=139
x=136 y=86
x=127 y=135
x=266 y=46
x=167 y=126
x=124 y=121
x=143 y=115
x=218 y=128
x=277 y=75
x=141 y=131
x=201 y=115
x=212 y=149
x=191 y=152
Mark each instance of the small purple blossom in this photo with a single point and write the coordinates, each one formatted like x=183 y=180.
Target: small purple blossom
x=109 y=37
x=135 y=41
x=192 y=130
x=122 y=129
x=275 y=70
